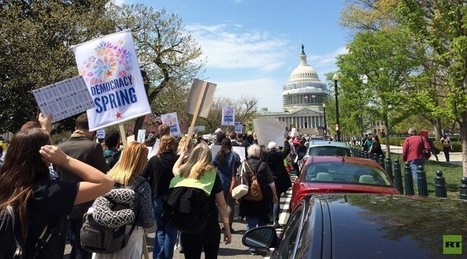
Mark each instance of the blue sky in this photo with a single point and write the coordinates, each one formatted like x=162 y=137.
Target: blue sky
x=252 y=46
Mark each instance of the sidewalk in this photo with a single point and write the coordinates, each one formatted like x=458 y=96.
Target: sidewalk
x=454 y=157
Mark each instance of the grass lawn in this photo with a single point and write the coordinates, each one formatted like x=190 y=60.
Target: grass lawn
x=452 y=173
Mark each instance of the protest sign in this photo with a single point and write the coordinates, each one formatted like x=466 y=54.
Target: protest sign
x=171 y=120
x=228 y=116
x=238 y=127
x=269 y=130
x=199 y=100
x=64 y=99
x=110 y=68
x=141 y=135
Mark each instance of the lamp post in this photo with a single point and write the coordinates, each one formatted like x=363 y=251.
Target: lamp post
x=325 y=131
x=335 y=77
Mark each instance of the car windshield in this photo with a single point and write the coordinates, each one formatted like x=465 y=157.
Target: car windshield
x=328 y=151
x=338 y=172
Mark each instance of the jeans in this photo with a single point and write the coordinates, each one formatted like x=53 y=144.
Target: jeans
x=78 y=252
x=253 y=221
x=165 y=236
x=414 y=164
x=276 y=208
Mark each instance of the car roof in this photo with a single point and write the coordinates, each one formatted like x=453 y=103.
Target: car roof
x=327 y=143
x=386 y=226
x=343 y=159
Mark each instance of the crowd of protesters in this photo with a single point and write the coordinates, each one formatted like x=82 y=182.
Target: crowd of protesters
x=81 y=168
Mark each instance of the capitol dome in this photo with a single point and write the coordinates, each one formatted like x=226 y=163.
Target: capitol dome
x=304 y=89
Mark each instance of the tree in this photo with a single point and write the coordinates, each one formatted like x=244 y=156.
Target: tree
x=381 y=58
x=166 y=52
x=35 y=49
x=245 y=111
x=441 y=26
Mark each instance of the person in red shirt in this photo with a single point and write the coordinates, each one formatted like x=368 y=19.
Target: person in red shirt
x=413 y=151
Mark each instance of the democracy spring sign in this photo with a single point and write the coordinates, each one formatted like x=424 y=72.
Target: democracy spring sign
x=109 y=66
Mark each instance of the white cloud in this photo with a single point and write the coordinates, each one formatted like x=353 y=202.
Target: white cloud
x=238 y=49
x=267 y=91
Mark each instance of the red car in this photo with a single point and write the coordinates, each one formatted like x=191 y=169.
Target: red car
x=338 y=174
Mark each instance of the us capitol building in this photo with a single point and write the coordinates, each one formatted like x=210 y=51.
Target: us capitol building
x=303 y=97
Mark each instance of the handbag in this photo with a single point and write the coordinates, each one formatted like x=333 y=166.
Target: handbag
x=254 y=192
x=238 y=187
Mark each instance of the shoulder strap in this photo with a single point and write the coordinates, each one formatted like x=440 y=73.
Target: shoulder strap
x=12 y=216
x=139 y=181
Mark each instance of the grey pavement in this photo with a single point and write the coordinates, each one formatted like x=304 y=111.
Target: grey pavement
x=235 y=248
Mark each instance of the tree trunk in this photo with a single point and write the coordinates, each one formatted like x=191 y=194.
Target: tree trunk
x=463 y=133
x=139 y=121
x=437 y=128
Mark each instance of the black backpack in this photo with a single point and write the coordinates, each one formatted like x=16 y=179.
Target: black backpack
x=10 y=241
x=112 y=159
x=186 y=209
x=107 y=232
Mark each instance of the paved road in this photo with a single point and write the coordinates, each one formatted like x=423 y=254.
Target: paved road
x=236 y=248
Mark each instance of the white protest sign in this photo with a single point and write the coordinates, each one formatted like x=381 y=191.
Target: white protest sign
x=214 y=150
x=269 y=130
x=64 y=99
x=237 y=149
x=228 y=116
x=238 y=127
x=110 y=68
x=240 y=151
x=171 y=119
x=100 y=134
x=141 y=135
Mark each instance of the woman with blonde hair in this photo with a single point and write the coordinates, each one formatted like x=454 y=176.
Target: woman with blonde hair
x=198 y=168
x=126 y=173
x=39 y=201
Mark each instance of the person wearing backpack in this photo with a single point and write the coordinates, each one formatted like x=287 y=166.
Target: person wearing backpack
x=126 y=173
x=198 y=173
x=38 y=201
x=158 y=171
x=257 y=212
x=112 y=151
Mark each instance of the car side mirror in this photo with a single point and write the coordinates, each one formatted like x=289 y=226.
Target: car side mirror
x=263 y=237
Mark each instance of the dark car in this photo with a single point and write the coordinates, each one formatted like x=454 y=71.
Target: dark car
x=368 y=226
x=333 y=174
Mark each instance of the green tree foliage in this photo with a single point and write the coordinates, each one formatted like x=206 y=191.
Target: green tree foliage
x=35 y=49
x=381 y=58
x=441 y=26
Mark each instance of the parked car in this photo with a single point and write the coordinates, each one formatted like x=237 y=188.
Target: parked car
x=327 y=148
x=368 y=226
x=324 y=148
x=334 y=174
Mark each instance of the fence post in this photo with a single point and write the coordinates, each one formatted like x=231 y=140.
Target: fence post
x=408 y=180
x=375 y=158
x=440 y=185
x=381 y=160
x=398 y=176
x=421 y=182
x=388 y=167
x=463 y=188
